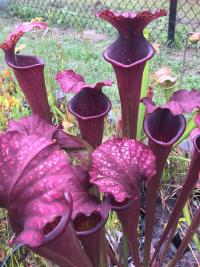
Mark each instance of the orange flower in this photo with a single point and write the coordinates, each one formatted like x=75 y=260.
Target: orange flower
x=6 y=74
x=37 y=19
x=12 y=101
x=2 y=254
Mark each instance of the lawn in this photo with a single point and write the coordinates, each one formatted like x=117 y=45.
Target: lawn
x=81 y=50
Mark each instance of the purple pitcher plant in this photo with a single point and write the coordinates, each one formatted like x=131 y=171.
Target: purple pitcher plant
x=163 y=126
x=89 y=105
x=47 y=176
x=29 y=70
x=109 y=173
x=128 y=55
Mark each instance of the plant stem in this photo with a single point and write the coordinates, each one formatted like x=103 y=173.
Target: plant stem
x=152 y=189
x=125 y=251
x=113 y=257
x=129 y=219
x=171 y=234
x=192 y=178
x=188 y=237
x=192 y=251
x=186 y=213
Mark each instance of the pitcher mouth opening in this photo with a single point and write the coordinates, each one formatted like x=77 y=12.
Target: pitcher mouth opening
x=128 y=61
x=89 y=104
x=86 y=225
x=125 y=204
x=197 y=143
x=55 y=228
x=163 y=127
x=23 y=61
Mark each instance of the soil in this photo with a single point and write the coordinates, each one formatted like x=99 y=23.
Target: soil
x=162 y=216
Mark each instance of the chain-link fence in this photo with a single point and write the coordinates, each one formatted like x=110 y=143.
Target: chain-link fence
x=81 y=13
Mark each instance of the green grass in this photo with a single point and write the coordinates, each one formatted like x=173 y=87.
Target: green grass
x=81 y=14
x=71 y=50
x=81 y=51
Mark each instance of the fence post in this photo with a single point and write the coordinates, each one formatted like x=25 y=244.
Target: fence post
x=4 y=4
x=172 y=21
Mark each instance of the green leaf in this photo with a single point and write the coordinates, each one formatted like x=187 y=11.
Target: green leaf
x=191 y=125
x=145 y=81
